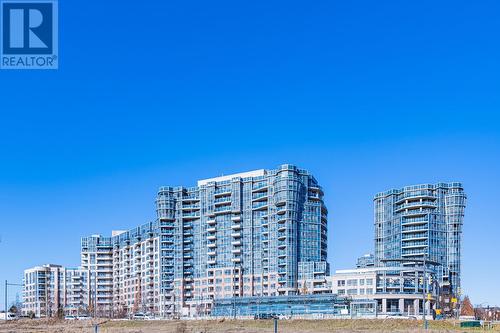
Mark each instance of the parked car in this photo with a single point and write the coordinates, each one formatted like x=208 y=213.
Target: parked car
x=83 y=317
x=140 y=316
x=70 y=317
x=400 y=316
x=10 y=316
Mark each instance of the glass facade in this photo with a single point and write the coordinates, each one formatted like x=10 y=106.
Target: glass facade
x=289 y=306
x=368 y=260
x=422 y=220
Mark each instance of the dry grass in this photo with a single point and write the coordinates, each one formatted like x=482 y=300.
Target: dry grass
x=228 y=326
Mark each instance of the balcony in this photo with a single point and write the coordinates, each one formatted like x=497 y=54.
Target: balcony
x=191 y=207
x=413 y=253
x=281 y=219
x=260 y=187
x=414 y=229
x=314 y=196
x=211 y=237
x=211 y=229
x=212 y=245
x=191 y=216
x=260 y=206
x=259 y=196
x=211 y=253
x=416 y=204
x=189 y=198
x=236 y=226
x=414 y=237
x=422 y=194
x=280 y=200
x=211 y=221
x=417 y=212
x=236 y=243
x=222 y=210
x=235 y=218
x=236 y=260
x=222 y=201
x=237 y=251
x=281 y=210
x=236 y=234
x=414 y=244
x=222 y=191
x=168 y=240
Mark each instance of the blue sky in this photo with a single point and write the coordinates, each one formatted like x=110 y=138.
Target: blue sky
x=367 y=96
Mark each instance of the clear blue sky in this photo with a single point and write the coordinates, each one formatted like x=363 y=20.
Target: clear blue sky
x=366 y=95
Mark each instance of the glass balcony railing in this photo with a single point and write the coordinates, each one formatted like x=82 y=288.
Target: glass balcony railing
x=414 y=228
x=222 y=209
x=223 y=200
x=259 y=205
x=223 y=190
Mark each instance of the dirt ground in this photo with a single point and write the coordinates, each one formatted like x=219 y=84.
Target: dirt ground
x=227 y=326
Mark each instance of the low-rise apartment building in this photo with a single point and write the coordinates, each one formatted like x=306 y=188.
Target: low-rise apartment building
x=52 y=290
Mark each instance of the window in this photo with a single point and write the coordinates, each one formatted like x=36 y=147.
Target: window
x=352 y=282
x=341 y=283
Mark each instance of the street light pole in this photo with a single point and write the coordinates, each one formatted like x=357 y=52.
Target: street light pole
x=5 y=300
x=424 y=262
x=424 y=291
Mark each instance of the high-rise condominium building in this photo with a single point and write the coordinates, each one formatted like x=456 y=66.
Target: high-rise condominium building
x=248 y=234
x=422 y=220
x=257 y=233
x=97 y=261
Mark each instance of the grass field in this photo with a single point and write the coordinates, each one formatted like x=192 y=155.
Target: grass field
x=229 y=326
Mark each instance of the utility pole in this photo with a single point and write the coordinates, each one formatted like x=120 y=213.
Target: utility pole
x=7 y=284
